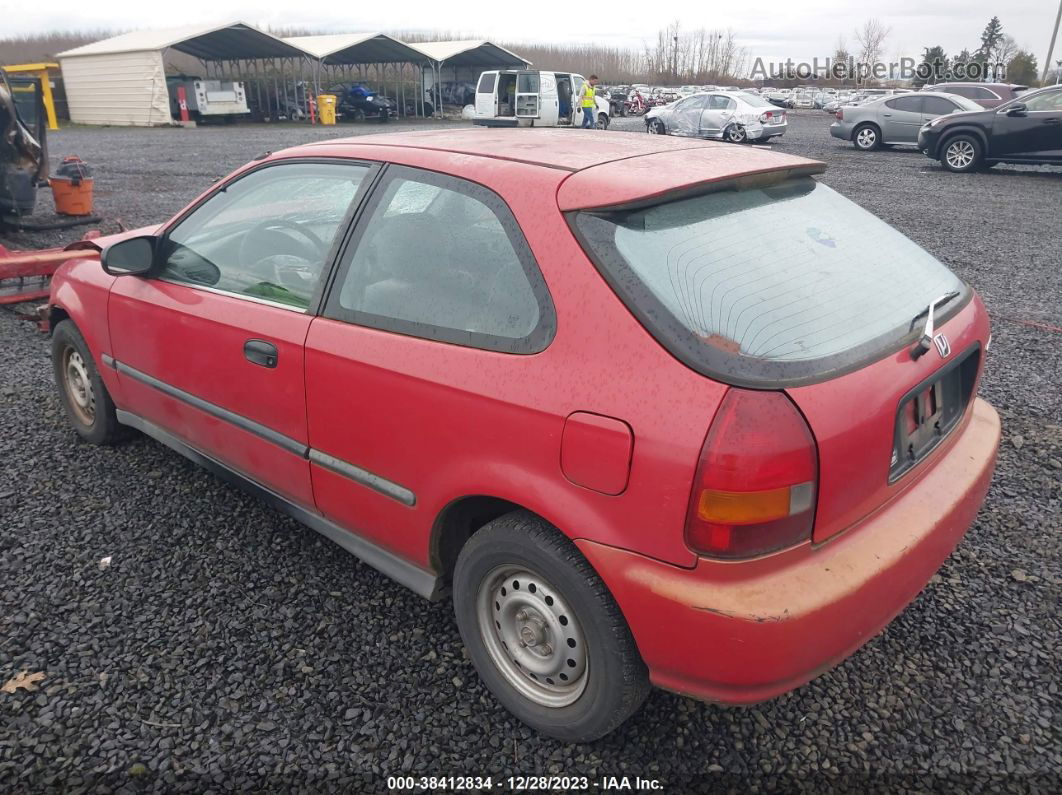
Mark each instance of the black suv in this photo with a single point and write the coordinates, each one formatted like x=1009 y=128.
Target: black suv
x=1025 y=130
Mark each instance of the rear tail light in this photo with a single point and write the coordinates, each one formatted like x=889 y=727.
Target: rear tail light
x=755 y=487
x=840 y=115
x=765 y=117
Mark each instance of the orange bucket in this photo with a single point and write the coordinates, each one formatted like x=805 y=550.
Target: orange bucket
x=71 y=198
x=72 y=187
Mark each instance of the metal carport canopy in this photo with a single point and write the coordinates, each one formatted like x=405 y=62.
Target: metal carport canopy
x=470 y=53
x=233 y=41
x=338 y=49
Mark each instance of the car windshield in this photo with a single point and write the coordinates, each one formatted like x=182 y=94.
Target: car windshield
x=778 y=283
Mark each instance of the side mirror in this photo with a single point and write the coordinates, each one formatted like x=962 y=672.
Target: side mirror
x=1017 y=109
x=133 y=256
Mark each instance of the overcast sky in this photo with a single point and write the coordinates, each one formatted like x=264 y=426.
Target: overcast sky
x=772 y=29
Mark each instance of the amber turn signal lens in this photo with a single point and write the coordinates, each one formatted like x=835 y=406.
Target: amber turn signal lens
x=743 y=507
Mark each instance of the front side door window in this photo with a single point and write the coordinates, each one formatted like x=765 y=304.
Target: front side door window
x=268 y=235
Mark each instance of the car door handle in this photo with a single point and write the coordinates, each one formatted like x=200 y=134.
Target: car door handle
x=1052 y=121
x=886 y=114
x=260 y=352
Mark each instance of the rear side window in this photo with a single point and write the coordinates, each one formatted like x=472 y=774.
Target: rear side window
x=907 y=104
x=444 y=259
x=486 y=83
x=767 y=286
x=938 y=106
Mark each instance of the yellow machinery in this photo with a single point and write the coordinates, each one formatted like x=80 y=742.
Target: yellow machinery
x=41 y=72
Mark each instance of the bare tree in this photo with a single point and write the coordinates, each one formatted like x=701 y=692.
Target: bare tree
x=871 y=38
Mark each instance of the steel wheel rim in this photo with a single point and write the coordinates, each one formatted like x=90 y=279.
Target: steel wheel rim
x=79 y=386
x=960 y=154
x=534 y=639
x=866 y=138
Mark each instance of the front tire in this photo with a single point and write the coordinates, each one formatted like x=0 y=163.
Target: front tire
x=85 y=399
x=544 y=632
x=655 y=127
x=602 y=121
x=867 y=138
x=961 y=154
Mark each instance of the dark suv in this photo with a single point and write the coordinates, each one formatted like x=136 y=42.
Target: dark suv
x=1025 y=130
x=987 y=95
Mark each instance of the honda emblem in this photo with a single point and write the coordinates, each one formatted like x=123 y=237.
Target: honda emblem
x=943 y=346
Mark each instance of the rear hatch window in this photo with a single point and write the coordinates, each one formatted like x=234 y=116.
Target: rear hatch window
x=768 y=282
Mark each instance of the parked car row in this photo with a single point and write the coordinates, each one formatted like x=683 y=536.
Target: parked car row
x=956 y=130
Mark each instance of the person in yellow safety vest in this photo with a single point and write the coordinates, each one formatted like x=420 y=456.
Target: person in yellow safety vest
x=589 y=102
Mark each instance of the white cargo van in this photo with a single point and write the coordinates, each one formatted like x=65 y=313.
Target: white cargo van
x=534 y=98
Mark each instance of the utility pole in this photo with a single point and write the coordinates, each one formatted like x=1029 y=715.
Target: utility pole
x=1051 y=47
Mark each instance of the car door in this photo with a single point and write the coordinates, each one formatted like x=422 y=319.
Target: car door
x=211 y=348
x=438 y=291
x=487 y=95
x=1035 y=132
x=684 y=117
x=577 y=99
x=716 y=115
x=901 y=117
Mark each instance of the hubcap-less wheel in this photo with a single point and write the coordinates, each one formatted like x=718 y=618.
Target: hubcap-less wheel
x=532 y=636
x=960 y=154
x=79 y=386
x=736 y=135
x=656 y=128
x=866 y=138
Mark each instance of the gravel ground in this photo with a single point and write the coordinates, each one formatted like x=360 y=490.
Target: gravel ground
x=225 y=647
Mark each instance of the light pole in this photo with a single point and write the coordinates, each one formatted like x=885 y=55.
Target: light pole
x=1051 y=46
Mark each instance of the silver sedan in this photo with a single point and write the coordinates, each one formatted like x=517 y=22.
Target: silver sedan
x=896 y=119
x=728 y=115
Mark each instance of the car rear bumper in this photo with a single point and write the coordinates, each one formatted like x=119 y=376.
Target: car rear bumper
x=842 y=130
x=749 y=631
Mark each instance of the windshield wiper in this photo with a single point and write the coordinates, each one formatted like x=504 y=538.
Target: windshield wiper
x=925 y=342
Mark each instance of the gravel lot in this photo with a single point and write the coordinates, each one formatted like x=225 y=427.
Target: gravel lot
x=226 y=647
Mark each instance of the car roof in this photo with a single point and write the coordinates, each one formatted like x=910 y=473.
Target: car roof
x=652 y=165
x=568 y=150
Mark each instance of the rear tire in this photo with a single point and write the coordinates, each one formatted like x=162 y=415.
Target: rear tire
x=866 y=137
x=961 y=154
x=602 y=121
x=579 y=674
x=85 y=399
x=736 y=134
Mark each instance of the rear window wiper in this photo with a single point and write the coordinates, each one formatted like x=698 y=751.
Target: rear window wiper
x=925 y=342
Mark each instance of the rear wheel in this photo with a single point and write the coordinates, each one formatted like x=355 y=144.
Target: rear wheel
x=736 y=134
x=867 y=138
x=961 y=154
x=602 y=121
x=544 y=632
x=85 y=399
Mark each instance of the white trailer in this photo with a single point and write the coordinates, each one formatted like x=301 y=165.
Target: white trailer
x=534 y=98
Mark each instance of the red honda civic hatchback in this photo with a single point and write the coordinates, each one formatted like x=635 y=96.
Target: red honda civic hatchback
x=651 y=410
